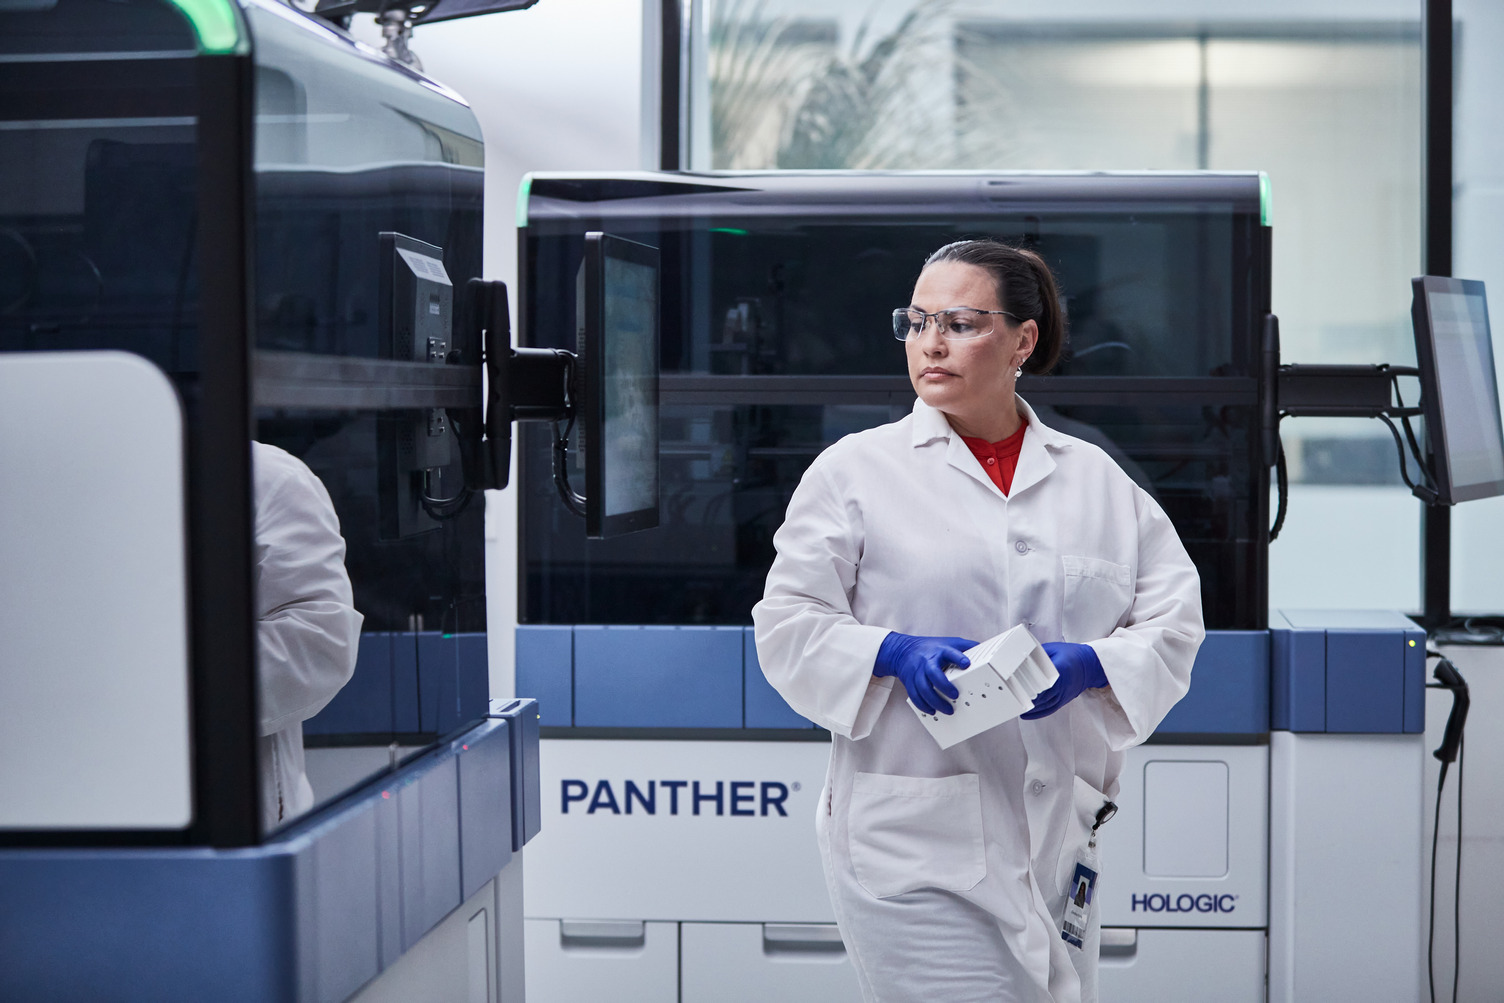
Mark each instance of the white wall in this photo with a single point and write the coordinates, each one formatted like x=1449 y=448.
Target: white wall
x=556 y=87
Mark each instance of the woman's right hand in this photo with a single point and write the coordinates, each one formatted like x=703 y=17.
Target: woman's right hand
x=919 y=663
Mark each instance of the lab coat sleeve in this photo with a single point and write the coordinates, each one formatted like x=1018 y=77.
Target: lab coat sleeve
x=1148 y=660
x=309 y=630
x=812 y=649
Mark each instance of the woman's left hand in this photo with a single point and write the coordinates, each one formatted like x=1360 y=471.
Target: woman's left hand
x=1080 y=669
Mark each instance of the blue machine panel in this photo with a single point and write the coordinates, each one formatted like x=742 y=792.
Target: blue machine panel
x=338 y=907
x=527 y=791
x=72 y=925
x=364 y=704
x=658 y=677
x=1298 y=668
x=428 y=814
x=764 y=708
x=445 y=678
x=545 y=670
x=1348 y=671
x=1365 y=681
x=485 y=776
x=313 y=914
x=406 y=691
x=1415 y=681
x=474 y=664
x=438 y=674
x=1229 y=687
x=388 y=877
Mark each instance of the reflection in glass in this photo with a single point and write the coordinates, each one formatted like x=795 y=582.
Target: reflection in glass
x=368 y=225
x=308 y=631
x=1330 y=109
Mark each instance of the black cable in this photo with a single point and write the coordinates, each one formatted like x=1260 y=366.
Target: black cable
x=1448 y=678
x=1424 y=491
x=1457 y=893
x=1430 y=492
x=572 y=501
x=1282 y=481
x=1431 y=935
x=440 y=509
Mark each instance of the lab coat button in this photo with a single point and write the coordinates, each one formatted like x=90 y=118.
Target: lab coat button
x=1021 y=547
x=1037 y=787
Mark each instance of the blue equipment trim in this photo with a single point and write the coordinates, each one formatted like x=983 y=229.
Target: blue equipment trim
x=527 y=789
x=545 y=670
x=447 y=676
x=1229 y=687
x=762 y=706
x=313 y=914
x=658 y=677
x=1312 y=671
x=1348 y=672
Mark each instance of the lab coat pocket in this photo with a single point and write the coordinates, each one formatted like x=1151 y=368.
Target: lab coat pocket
x=1097 y=596
x=907 y=833
x=1086 y=801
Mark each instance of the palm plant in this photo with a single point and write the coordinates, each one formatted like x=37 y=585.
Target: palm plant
x=782 y=98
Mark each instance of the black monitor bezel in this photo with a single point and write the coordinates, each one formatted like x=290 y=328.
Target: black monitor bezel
x=598 y=248
x=1431 y=392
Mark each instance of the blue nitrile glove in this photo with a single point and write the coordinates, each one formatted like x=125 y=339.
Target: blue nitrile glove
x=1080 y=669
x=919 y=663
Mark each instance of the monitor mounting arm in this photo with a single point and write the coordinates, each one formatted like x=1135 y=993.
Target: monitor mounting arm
x=525 y=384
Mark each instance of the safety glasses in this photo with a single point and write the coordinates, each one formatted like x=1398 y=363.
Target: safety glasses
x=955 y=324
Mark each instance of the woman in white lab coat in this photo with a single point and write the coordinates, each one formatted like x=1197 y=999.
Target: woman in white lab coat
x=949 y=869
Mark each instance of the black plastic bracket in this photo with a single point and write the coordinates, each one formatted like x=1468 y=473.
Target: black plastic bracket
x=1340 y=391
x=524 y=384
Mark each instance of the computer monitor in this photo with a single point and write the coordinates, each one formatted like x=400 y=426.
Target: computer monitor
x=1459 y=391
x=618 y=392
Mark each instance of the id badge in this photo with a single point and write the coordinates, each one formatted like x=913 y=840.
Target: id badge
x=1078 y=899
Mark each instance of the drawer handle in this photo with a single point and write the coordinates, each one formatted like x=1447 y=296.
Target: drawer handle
x=1119 y=941
x=602 y=932
x=822 y=938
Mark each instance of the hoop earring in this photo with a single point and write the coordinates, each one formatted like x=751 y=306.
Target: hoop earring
x=1018 y=372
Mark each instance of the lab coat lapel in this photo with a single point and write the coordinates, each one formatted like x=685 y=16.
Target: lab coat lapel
x=929 y=425
x=1034 y=460
x=960 y=456
x=1034 y=464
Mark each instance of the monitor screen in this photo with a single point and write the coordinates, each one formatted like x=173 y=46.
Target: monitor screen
x=620 y=393
x=1459 y=388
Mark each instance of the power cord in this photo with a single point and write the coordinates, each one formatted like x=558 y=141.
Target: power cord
x=1450 y=751
x=572 y=501
x=440 y=509
x=1282 y=481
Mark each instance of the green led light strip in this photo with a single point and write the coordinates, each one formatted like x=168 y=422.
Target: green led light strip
x=217 y=24
x=523 y=191
x=1266 y=200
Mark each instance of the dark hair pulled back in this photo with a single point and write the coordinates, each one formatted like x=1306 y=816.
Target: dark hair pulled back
x=1025 y=287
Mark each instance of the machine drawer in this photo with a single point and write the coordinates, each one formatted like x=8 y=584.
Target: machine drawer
x=625 y=962
x=1150 y=966
x=757 y=962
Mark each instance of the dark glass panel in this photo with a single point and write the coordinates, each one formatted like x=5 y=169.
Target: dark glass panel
x=53 y=27
x=777 y=301
x=1146 y=295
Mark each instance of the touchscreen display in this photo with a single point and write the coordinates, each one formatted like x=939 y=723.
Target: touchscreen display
x=1467 y=390
x=629 y=380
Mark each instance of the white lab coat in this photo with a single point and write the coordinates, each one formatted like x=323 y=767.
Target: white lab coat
x=308 y=632
x=948 y=869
